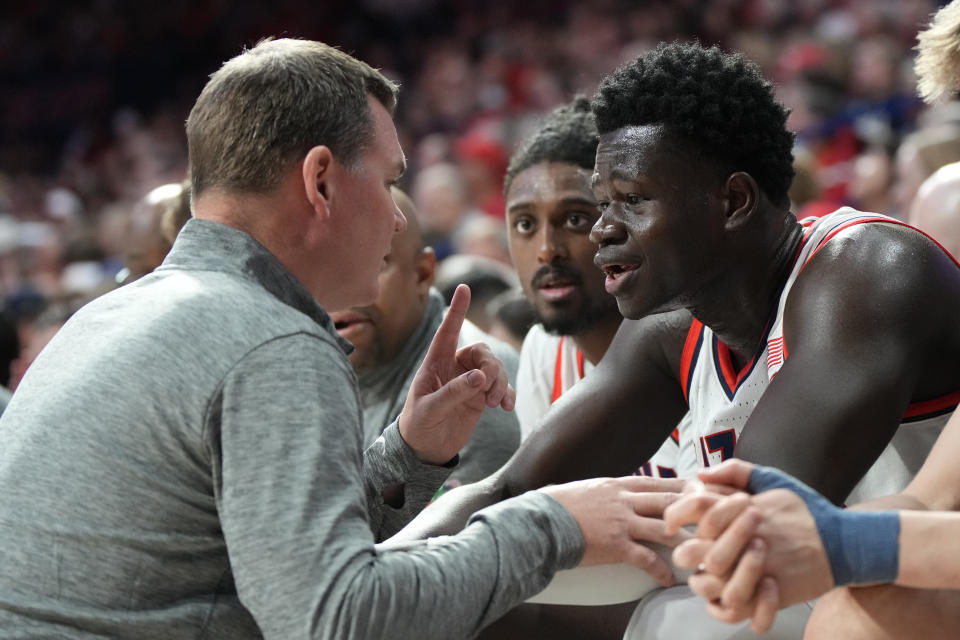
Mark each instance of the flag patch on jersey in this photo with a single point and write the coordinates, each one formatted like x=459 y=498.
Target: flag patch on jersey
x=775 y=353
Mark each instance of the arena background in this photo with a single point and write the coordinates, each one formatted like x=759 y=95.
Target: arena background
x=95 y=93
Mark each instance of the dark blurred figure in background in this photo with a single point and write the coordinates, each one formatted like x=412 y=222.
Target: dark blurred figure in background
x=487 y=278
x=511 y=315
x=9 y=352
x=147 y=243
x=177 y=213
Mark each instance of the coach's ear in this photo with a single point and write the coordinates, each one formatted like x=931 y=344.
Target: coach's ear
x=318 y=169
x=742 y=198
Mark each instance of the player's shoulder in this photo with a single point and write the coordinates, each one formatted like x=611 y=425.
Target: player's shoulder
x=874 y=268
x=852 y=243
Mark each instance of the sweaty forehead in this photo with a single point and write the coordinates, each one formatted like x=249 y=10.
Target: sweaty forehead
x=549 y=181
x=629 y=149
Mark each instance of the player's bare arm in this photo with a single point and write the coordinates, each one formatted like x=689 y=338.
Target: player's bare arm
x=613 y=419
x=863 y=344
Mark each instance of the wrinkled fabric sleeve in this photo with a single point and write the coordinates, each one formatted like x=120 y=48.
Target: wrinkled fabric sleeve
x=389 y=461
x=291 y=497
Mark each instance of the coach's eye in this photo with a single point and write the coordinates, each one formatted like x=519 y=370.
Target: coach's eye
x=633 y=199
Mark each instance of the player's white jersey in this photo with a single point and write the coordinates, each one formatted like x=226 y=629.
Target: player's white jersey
x=721 y=399
x=549 y=366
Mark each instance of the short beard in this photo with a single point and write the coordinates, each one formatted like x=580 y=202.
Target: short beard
x=575 y=324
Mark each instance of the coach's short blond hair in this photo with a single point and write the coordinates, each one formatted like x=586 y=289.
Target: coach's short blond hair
x=268 y=106
x=938 y=58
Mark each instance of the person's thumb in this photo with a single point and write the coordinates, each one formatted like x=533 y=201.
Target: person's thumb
x=462 y=388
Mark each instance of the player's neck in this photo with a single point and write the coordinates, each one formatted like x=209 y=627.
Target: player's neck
x=739 y=315
x=595 y=341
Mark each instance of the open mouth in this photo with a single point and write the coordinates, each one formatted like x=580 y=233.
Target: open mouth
x=348 y=324
x=615 y=271
x=556 y=289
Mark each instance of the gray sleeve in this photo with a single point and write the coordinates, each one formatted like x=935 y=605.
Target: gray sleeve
x=389 y=461
x=290 y=489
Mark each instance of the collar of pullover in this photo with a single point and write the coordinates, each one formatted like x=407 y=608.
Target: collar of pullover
x=204 y=245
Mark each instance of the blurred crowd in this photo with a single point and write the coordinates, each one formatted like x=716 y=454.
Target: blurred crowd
x=96 y=93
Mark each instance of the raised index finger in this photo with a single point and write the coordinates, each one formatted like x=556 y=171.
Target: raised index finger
x=444 y=344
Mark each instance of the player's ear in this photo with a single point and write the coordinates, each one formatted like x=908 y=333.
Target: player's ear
x=426 y=267
x=318 y=169
x=742 y=197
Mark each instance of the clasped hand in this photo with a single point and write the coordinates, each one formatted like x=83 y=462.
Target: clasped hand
x=754 y=554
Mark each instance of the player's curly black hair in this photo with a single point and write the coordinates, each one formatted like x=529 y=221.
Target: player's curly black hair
x=568 y=134
x=717 y=103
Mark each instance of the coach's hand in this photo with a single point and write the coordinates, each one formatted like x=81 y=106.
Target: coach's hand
x=451 y=390
x=616 y=517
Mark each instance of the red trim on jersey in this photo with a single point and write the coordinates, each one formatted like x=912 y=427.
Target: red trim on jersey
x=557 y=378
x=917 y=410
x=688 y=358
x=930 y=408
x=558 y=371
x=875 y=219
x=726 y=366
x=731 y=377
x=811 y=225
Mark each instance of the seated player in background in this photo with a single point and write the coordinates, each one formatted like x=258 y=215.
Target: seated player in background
x=550 y=211
x=391 y=337
x=826 y=348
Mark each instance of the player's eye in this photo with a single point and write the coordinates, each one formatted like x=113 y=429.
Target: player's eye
x=523 y=225
x=579 y=220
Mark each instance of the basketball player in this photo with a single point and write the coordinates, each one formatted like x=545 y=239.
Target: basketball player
x=550 y=211
x=917 y=552
x=826 y=348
